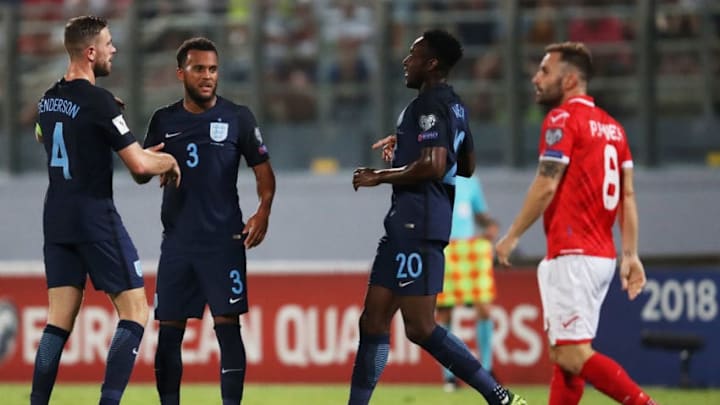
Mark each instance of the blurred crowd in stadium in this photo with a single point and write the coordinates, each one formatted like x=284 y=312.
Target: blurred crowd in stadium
x=321 y=59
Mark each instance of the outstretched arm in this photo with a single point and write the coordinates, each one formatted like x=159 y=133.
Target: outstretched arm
x=539 y=195
x=145 y=163
x=431 y=165
x=632 y=273
x=256 y=226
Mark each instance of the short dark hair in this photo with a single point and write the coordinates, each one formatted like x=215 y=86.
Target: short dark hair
x=445 y=47
x=81 y=31
x=198 y=44
x=576 y=54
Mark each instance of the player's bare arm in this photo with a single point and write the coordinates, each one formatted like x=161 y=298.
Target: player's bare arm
x=466 y=161
x=431 y=165
x=540 y=194
x=256 y=227
x=387 y=146
x=144 y=162
x=144 y=178
x=632 y=273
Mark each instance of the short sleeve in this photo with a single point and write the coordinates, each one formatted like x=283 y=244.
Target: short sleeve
x=557 y=136
x=152 y=137
x=479 y=205
x=433 y=121
x=111 y=121
x=625 y=158
x=251 y=143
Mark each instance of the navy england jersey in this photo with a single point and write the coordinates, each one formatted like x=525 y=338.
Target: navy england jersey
x=435 y=118
x=80 y=124
x=208 y=147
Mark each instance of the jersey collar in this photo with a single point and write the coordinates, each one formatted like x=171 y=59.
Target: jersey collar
x=587 y=100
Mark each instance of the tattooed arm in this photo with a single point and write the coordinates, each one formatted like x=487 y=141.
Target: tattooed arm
x=539 y=195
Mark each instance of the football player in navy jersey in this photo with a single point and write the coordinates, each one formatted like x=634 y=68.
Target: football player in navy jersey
x=202 y=257
x=80 y=124
x=431 y=146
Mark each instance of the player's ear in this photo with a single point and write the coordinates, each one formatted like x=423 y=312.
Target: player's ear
x=90 y=53
x=180 y=73
x=570 y=80
x=433 y=63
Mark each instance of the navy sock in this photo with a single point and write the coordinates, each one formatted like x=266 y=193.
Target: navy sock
x=232 y=362
x=168 y=364
x=453 y=354
x=47 y=360
x=120 y=361
x=370 y=362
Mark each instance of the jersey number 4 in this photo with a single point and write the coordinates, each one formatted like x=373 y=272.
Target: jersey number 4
x=59 y=155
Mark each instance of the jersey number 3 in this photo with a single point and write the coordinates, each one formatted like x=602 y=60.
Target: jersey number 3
x=59 y=155
x=611 y=181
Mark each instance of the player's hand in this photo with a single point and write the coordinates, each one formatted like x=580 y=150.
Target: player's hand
x=156 y=148
x=365 y=177
x=632 y=275
x=388 y=147
x=504 y=248
x=171 y=176
x=255 y=229
x=491 y=232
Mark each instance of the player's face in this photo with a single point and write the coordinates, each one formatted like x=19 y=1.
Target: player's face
x=200 y=75
x=415 y=65
x=548 y=80
x=104 y=51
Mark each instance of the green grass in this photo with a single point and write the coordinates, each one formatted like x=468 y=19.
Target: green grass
x=386 y=394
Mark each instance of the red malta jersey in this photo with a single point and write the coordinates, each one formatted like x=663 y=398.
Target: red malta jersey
x=580 y=218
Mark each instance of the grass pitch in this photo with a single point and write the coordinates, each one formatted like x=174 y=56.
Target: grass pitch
x=291 y=394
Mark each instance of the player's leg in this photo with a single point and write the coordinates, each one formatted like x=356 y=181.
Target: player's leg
x=450 y=295
x=573 y=289
x=374 y=346
x=417 y=305
x=178 y=297
x=114 y=267
x=65 y=280
x=443 y=314
x=222 y=275
x=483 y=333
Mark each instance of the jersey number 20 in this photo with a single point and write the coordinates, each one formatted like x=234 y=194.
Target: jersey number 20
x=611 y=181
x=59 y=155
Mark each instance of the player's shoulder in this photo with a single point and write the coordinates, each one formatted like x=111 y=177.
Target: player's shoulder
x=558 y=117
x=168 y=110
x=228 y=105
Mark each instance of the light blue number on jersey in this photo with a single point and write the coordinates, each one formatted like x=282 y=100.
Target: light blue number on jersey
x=59 y=156
x=459 y=113
x=237 y=282
x=192 y=153
x=409 y=265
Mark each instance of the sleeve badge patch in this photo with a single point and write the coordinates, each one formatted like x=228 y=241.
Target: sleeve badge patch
x=120 y=125
x=553 y=136
x=427 y=121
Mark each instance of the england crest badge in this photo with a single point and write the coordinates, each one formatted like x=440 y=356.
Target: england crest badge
x=218 y=131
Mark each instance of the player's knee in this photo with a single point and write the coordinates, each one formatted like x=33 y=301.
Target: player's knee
x=373 y=325
x=417 y=333
x=136 y=311
x=568 y=358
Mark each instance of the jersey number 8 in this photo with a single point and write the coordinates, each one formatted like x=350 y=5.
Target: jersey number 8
x=611 y=181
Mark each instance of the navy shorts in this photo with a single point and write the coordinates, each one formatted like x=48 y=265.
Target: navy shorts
x=190 y=277
x=409 y=266
x=113 y=265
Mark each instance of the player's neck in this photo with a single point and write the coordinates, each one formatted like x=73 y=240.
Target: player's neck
x=429 y=84
x=572 y=94
x=76 y=71
x=194 y=107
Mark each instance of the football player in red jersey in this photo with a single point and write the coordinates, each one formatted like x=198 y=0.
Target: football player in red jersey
x=584 y=180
